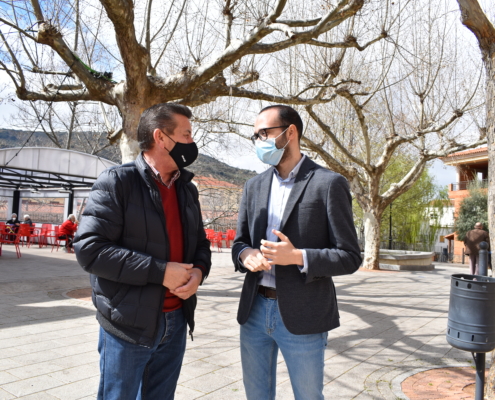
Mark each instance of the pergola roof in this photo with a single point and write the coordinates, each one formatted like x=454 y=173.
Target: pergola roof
x=45 y=167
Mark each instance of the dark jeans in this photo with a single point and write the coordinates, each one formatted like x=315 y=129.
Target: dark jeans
x=129 y=371
x=68 y=240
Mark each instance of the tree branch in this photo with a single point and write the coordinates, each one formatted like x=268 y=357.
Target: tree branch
x=134 y=56
x=36 y=70
x=334 y=18
x=22 y=79
x=301 y=23
x=50 y=36
x=396 y=189
x=473 y=17
x=344 y=92
x=17 y=28
x=248 y=77
x=228 y=18
x=78 y=95
x=282 y=28
x=148 y=33
x=10 y=73
x=350 y=41
x=328 y=131
x=170 y=37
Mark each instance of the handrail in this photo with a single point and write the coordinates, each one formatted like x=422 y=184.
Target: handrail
x=464 y=185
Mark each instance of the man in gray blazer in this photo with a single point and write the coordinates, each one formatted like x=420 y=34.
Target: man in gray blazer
x=295 y=232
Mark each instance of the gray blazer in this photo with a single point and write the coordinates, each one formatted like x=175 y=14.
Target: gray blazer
x=317 y=218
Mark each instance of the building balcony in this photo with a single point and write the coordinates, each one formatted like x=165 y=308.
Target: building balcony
x=457 y=186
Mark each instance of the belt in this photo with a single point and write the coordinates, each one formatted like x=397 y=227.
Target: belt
x=267 y=292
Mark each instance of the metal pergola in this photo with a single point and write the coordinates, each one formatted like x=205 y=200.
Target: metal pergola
x=41 y=170
x=38 y=168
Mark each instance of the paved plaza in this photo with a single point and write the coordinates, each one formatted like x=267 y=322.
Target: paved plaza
x=392 y=326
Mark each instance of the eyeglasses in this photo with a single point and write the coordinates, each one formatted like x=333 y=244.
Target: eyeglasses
x=263 y=135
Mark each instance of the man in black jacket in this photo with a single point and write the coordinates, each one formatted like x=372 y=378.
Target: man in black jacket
x=142 y=240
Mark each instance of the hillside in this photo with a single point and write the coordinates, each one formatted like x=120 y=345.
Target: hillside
x=204 y=165
x=209 y=166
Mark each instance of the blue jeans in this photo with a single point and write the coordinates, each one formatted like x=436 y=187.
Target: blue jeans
x=129 y=371
x=261 y=337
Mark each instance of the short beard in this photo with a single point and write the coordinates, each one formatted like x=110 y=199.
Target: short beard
x=286 y=154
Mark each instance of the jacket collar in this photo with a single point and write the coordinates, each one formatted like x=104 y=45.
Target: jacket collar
x=145 y=170
x=302 y=178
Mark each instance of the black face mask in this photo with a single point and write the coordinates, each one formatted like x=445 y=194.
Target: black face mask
x=183 y=154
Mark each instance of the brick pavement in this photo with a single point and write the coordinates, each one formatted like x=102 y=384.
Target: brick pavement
x=393 y=325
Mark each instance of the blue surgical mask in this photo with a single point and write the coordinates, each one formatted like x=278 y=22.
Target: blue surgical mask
x=267 y=150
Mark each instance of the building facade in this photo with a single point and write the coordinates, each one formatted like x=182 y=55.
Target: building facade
x=471 y=165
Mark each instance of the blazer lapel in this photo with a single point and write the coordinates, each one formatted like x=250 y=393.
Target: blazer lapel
x=304 y=175
x=262 y=203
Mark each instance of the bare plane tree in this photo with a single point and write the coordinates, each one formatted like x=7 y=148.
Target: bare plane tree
x=404 y=97
x=181 y=50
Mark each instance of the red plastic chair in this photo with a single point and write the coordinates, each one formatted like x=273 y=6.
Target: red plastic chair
x=43 y=232
x=3 y=225
x=27 y=231
x=13 y=239
x=50 y=235
x=230 y=236
x=58 y=241
x=217 y=239
x=35 y=234
x=214 y=238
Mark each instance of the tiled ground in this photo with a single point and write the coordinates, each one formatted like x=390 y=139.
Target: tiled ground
x=393 y=324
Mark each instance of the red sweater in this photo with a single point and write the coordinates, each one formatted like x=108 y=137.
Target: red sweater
x=175 y=238
x=67 y=228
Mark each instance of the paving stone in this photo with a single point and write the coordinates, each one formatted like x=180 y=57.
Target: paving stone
x=4 y=395
x=392 y=323
x=31 y=385
x=32 y=370
x=6 y=377
x=209 y=382
x=39 y=396
x=76 y=390
x=77 y=373
x=184 y=393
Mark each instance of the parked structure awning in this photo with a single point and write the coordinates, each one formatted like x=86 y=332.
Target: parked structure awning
x=43 y=168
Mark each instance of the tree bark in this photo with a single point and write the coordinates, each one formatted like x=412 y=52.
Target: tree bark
x=131 y=112
x=490 y=125
x=476 y=20
x=372 y=220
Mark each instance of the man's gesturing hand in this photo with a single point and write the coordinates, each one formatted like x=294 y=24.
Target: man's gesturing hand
x=176 y=274
x=191 y=287
x=254 y=261
x=281 y=253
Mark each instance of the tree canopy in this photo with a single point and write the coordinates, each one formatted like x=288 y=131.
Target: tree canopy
x=473 y=209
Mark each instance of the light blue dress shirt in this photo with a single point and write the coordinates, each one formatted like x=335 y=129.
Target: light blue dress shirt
x=279 y=194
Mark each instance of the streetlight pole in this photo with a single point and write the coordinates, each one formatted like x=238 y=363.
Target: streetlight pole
x=390 y=229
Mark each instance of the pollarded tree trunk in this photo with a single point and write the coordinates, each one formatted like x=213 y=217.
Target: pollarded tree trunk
x=372 y=239
x=129 y=145
x=490 y=126
x=476 y=20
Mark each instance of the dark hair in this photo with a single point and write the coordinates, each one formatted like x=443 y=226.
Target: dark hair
x=159 y=116
x=288 y=116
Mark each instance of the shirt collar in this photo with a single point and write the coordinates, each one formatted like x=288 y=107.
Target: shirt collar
x=156 y=175
x=293 y=173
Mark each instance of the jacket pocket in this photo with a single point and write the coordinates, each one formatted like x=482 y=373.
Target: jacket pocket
x=119 y=295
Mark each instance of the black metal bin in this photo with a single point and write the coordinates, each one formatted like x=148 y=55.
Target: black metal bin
x=471 y=324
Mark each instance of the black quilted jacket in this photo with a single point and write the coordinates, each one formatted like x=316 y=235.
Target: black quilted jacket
x=122 y=242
